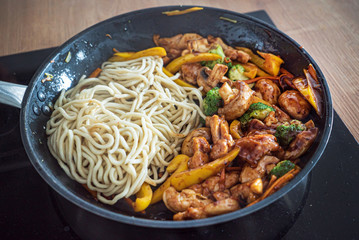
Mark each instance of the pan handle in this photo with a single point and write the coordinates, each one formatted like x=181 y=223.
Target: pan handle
x=11 y=93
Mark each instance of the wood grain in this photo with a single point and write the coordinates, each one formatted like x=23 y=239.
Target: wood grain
x=327 y=29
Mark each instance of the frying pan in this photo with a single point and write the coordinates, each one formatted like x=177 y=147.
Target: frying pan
x=132 y=32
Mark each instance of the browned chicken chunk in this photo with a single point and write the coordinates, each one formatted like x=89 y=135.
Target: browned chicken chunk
x=212 y=184
x=187 y=145
x=212 y=209
x=198 y=45
x=256 y=127
x=227 y=93
x=176 y=44
x=189 y=72
x=253 y=148
x=264 y=166
x=239 y=104
x=181 y=201
x=230 y=52
x=201 y=148
x=222 y=139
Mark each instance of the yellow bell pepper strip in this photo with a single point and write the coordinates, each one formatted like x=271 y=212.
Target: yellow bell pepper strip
x=175 y=65
x=143 y=198
x=250 y=67
x=188 y=178
x=306 y=88
x=124 y=56
x=234 y=129
x=180 y=12
x=157 y=195
x=271 y=63
x=176 y=161
x=251 y=74
x=178 y=81
x=257 y=99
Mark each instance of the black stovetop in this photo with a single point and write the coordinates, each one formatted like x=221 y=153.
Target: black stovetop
x=28 y=210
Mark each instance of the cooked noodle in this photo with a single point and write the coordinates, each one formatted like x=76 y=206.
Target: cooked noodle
x=117 y=131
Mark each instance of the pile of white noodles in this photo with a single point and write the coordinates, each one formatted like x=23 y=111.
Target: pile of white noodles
x=121 y=129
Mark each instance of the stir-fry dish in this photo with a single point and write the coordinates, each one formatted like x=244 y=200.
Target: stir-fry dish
x=205 y=127
x=253 y=136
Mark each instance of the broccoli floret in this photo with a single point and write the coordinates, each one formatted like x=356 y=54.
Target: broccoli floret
x=237 y=73
x=286 y=132
x=218 y=50
x=256 y=110
x=282 y=168
x=212 y=102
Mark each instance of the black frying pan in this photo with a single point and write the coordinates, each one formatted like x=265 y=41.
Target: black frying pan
x=132 y=32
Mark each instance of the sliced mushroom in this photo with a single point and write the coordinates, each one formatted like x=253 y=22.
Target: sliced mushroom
x=208 y=78
x=294 y=104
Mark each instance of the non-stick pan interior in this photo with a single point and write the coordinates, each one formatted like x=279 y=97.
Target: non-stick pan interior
x=133 y=32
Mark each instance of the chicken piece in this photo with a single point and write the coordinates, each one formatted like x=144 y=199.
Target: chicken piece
x=176 y=44
x=222 y=139
x=208 y=78
x=256 y=126
x=253 y=148
x=221 y=195
x=213 y=209
x=281 y=115
x=300 y=144
x=227 y=93
x=181 y=201
x=212 y=184
x=239 y=104
x=187 y=145
x=276 y=118
x=216 y=75
x=201 y=148
x=294 y=104
x=198 y=45
x=247 y=192
x=265 y=164
x=230 y=52
x=271 y=120
x=189 y=72
x=267 y=90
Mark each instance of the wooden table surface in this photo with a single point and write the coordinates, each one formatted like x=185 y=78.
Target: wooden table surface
x=327 y=29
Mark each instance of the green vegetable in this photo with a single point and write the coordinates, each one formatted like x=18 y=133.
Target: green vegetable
x=237 y=73
x=286 y=132
x=212 y=102
x=282 y=168
x=218 y=50
x=256 y=110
